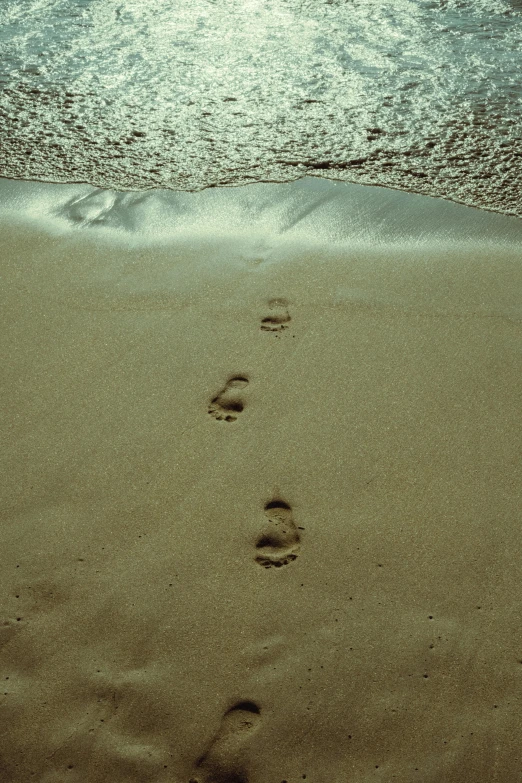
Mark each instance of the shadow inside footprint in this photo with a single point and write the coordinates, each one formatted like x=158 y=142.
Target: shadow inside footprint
x=225 y=760
x=228 y=404
x=278 y=318
x=278 y=543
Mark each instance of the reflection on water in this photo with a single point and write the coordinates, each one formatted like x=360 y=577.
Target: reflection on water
x=417 y=94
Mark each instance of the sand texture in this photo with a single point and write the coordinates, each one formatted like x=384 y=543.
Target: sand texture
x=261 y=496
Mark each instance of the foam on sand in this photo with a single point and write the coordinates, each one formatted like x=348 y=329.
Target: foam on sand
x=261 y=496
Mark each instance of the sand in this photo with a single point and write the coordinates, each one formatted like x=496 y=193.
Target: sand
x=261 y=487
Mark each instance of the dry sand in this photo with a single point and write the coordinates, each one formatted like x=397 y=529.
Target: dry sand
x=261 y=489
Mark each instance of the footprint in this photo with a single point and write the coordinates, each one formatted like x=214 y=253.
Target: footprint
x=278 y=543
x=278 y=318
x=228 y=404
x=225 y=761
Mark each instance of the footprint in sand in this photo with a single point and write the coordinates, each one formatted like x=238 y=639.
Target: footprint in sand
x=279 y=316
x=278 y=543
x=225 y=760
x=229 y=403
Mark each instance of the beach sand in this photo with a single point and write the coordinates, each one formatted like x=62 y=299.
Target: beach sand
x=261 y=487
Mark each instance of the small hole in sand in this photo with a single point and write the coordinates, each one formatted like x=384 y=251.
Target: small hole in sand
x=246 y=706
x=267 y=541
x=277 y=504
x=234 y=406
x=239 y=381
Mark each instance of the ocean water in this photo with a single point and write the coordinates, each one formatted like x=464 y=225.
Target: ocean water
x=419 y=95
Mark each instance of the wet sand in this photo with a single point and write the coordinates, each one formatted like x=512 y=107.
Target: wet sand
x=261 y=487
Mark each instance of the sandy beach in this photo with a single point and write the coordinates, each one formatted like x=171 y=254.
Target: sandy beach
x=261 y=487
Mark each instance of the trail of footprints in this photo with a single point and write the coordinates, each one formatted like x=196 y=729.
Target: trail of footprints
x=229 y=402
x=278 y=541
x=277 y=545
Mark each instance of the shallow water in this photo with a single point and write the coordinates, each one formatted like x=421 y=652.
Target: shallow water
x=417 y=95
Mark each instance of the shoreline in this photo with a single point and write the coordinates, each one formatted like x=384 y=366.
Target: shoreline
x=305 y=175
x=350 y=211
